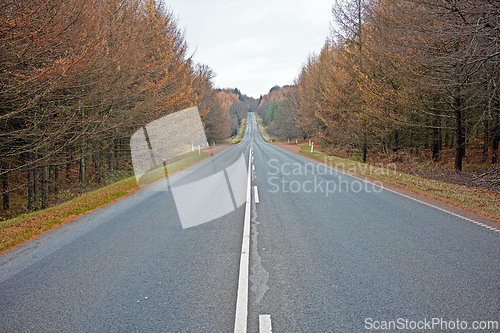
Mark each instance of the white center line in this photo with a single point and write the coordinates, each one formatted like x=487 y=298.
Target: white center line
x=241 y=317
x=256 y=193
x=265 y=324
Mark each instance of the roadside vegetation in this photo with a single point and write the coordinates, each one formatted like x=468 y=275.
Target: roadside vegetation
x=241 y=133
x=262 y=129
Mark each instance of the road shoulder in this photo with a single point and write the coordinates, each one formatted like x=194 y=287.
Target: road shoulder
x=473 y=215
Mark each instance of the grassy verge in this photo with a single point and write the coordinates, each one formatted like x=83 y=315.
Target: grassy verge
x=28 y=226
x=477 y=201
x=239 y=136
x=262 y=129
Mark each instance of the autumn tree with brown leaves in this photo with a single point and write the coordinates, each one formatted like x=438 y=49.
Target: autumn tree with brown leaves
x=420 y=74
x=77 y=79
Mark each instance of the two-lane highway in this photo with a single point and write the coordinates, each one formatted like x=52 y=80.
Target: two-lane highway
x=327 y=253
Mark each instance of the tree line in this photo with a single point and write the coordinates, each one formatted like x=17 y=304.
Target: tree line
x=236 y=105
x=279 y=112
x=405 y=74
x=78 y=78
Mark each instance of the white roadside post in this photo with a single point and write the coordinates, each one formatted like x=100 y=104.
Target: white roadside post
x=312 y=147
x=199 y=150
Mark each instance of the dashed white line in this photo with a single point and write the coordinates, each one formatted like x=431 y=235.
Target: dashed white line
x=241 y=317
x=256 y=194
x=265 y=324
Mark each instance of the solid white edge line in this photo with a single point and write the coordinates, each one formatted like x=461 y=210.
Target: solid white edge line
x=445 y=210
x=398 y=193
x=265 y=324
x=383 y=187
x=241 y=316
x=256 y=193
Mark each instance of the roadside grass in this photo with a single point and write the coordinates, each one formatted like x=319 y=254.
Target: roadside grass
x=25 y=227
x=241 y=133
x=262 y=129
x=237 y=139
x=478 y=201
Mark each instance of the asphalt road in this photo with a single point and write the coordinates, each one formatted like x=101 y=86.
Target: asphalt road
x=328 y=253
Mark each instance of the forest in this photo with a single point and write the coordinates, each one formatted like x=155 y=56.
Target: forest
x=419 y=76
x=78 y=78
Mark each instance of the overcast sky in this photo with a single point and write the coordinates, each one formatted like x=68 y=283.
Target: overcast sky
x=253 y=45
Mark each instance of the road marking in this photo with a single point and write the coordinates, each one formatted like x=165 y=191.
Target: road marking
x=383 y=187
x=253 y=166
x=265 y=324
x=241 y=317
x=256 y=192
x=447 y=211
x=426 y=203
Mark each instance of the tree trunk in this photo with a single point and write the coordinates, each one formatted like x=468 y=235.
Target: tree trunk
x=68 y=166
x=495 y=136
x=36 y=188
x=109 y=155
x=31 y=184
x=45 y=187
x=396 y=141
x=365 y=147
x=56 y=179
x=98 y=166
x=442 y=133
x=83 y=169
x=494 y=146
x=459 y=136
x=31 y=179
x=486 y=140
x=436 y=138
x=5 y=186
x=117 y=154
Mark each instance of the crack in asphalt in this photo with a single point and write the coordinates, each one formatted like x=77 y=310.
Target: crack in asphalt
x=258 y=274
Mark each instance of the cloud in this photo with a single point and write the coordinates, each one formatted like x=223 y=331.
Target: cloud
x=253 y=45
